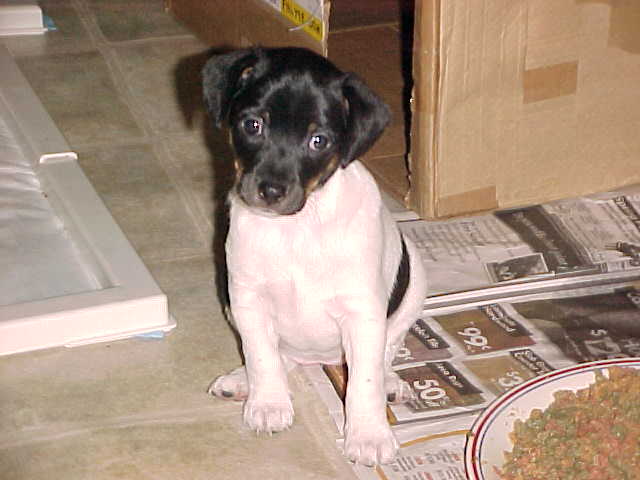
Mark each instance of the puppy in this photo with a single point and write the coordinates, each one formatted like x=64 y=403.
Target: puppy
x=318 y=271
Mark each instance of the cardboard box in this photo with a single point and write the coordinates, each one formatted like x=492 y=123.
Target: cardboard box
x=519 y=102
x=514 y=101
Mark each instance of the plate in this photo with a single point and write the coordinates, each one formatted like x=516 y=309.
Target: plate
x=489 y=436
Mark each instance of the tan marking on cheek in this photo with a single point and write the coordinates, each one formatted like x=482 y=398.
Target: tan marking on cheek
x=313 y=183
x=237 y=165
x=238 y=168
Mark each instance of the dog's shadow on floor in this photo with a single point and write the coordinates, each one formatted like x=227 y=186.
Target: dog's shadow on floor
x=188 y=89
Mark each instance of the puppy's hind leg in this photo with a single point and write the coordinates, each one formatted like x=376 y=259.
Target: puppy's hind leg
x=232 y=386
x=235 y=385
x=397 y=390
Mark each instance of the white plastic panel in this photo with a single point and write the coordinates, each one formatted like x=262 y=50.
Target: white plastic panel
x=68 y=275
x=20 y=17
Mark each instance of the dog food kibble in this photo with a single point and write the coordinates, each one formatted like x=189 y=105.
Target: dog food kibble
x=591 y=434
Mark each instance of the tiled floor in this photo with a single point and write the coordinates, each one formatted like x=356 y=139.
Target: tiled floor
x=119 y=78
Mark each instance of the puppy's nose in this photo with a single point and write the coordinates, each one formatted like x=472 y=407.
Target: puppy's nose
x=271 y=192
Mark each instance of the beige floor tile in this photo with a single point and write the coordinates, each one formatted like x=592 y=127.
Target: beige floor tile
x=164 y=80
x=203 y=168
x=203 y=344
x=194 y=445
x=121 y=20
x=144 y=201
x=53 y=391
x=79 y=94
x=58 y=390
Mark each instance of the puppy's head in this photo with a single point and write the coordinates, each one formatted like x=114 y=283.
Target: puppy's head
x=294 y=120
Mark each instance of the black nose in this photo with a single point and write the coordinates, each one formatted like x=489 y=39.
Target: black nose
x=271 y=192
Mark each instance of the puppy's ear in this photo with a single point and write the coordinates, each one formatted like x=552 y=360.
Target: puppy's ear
x=367 y=117
x=223 y=76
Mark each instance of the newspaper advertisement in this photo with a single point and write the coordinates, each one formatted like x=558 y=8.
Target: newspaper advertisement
x=459 y=362
x=459 y=359
x=597 y=235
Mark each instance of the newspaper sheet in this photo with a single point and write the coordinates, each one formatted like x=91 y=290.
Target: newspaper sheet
x=512 y=295
x=425 y=455
x=597 y=236
x=459 y=359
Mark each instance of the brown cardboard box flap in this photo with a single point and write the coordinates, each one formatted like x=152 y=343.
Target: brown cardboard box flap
x=249 y=22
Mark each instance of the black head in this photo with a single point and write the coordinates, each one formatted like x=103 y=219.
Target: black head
x=294 y=119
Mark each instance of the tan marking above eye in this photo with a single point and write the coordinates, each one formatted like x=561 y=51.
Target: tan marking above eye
x=246 y=72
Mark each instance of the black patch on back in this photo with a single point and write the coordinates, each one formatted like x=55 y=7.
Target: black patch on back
x=402 y=281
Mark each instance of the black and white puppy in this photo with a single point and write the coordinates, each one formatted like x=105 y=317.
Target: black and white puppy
x=318 y=271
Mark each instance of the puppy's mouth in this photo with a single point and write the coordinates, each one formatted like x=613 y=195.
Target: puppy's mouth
x=271 y=197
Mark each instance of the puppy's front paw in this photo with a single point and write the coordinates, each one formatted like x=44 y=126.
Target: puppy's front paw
x=233 y=386
x=370 y=444
x=269 y=417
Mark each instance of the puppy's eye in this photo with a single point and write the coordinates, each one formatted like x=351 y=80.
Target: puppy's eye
x=253 y=126
x=318 y=142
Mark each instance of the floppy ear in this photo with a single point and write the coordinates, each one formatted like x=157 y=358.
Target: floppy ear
x=367 y=117
x=223 y=76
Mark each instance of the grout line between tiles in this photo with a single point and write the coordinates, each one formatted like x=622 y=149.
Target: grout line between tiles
x=108 y=51
x=165 y=261
x=87 y=18
x=189 y=416
x=203 y=224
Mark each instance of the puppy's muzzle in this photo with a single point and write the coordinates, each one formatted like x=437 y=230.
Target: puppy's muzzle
x=271 y=195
